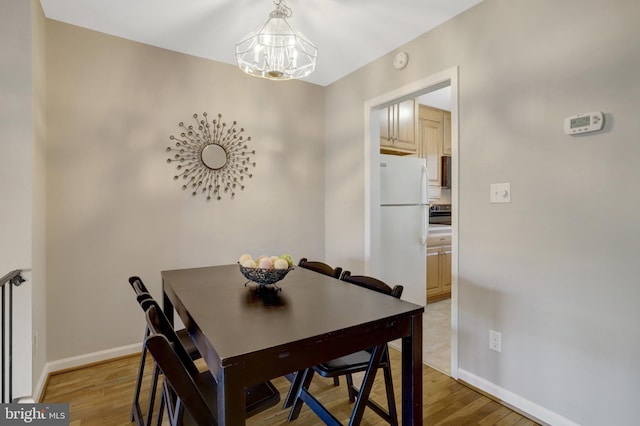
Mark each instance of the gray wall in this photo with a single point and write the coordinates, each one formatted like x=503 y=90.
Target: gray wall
x=555 y=270
x=113 y=207
x=550 y=271
x=39 y=256
x=17 y=176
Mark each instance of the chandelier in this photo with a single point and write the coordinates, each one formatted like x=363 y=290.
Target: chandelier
x=275 y=51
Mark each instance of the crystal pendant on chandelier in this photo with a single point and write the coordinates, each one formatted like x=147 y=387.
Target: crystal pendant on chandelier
x=275 y=51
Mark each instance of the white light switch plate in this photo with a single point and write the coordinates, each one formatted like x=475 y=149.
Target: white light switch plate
x=500 y=193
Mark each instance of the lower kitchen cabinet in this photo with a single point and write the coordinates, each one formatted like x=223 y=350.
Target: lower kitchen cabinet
x=438 y=273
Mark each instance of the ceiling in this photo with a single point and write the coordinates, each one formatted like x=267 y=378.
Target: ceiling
x=348 y=33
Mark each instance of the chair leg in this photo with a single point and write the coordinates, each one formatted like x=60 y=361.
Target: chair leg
x=391 y=399
x=293 y=389
x=172 y=404
x=161 y=407
x=307 y=376
x=152 y=394
x=136 y=411
x=351 y=389
x=367 y=384
x=391 y=415
x=336 y=381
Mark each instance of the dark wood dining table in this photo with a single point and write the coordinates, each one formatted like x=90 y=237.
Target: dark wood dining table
x=248 y=334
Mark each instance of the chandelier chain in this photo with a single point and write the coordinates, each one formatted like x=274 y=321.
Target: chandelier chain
x=282 y=9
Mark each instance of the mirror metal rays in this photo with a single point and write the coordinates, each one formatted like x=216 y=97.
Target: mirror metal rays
x=212 y=158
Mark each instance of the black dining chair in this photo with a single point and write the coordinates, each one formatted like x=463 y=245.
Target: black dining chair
x=355 y=363
x=320 y=267
x=191 y=394
x=142 y=294
x=296 y=378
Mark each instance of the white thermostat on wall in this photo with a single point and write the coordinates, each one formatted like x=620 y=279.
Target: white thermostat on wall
x=584 y=123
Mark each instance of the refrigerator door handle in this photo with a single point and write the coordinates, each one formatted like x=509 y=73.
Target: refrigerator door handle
x=424 y=185
x=424 y=195
x=424 y=224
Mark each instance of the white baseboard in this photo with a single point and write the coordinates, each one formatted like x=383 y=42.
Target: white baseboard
x=530 y=408
x=538 y=412
x=77 y=361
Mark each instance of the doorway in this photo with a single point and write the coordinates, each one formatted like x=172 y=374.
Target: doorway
x=444 y=79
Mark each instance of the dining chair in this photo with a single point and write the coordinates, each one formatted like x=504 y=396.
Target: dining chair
x=296 y=378
x=320 y=267
x=142 y=294
x=191 y=394
x=355 y=363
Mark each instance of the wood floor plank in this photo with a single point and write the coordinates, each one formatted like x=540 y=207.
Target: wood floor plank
x=101 y=394
x=495 y=416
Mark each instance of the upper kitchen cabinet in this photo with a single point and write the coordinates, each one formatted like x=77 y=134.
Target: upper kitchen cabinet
x=431 y=131
x=434 y=134
x=398 y=128
x=446 y=143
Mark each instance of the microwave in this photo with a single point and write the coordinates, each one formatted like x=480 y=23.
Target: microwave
x=445 y=167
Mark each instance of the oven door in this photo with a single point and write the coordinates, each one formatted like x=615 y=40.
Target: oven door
x=439 y=218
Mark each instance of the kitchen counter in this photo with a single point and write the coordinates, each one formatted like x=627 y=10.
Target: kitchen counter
x=439 y=235
x=439 y=229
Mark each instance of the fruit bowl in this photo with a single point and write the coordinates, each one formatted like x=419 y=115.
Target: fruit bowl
x=264 y=276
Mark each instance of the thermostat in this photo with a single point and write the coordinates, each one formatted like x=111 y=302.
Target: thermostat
x=584 y=123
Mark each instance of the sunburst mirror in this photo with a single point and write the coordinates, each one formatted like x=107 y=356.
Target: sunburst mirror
x=212 y=158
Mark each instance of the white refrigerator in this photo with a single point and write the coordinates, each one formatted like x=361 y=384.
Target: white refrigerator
x=404 y=221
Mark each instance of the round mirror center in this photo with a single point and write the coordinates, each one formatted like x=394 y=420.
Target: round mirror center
x=214 y=156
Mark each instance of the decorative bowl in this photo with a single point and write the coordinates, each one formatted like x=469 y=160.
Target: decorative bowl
x=264 y=276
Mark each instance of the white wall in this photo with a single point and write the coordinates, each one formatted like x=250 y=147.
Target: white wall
x=554 y=271
x=113 y=208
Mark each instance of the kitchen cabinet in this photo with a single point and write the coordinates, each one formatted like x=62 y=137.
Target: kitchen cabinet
x=439 y=269
x=398 y=128
x=434 y=137
x=431 y=125
x=446 y=143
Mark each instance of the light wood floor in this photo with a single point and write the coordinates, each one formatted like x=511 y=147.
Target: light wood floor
x=101 y=394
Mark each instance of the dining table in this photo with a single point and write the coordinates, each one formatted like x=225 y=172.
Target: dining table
x=248 y=333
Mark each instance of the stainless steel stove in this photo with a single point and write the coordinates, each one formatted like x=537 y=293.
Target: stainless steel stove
x=440 y=214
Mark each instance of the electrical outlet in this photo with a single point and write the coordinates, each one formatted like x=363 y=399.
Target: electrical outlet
x=35 y=342
x=495 y=341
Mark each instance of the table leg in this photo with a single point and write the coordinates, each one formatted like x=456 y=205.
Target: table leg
x=412 y=374
x=167 y=306
x=231 y=397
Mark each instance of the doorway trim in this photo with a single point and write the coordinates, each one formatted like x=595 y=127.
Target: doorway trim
x=372 y=180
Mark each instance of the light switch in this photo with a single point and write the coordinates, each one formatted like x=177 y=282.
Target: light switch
x=500 y=193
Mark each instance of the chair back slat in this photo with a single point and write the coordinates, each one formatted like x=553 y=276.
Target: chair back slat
x=372 y=284
x=137 y=285
x=142 y=297
x=180 y=381
x=320 y=267
x=159 y=324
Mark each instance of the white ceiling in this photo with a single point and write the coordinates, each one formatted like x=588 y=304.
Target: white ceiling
x=438 y=98
x=348 y=33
